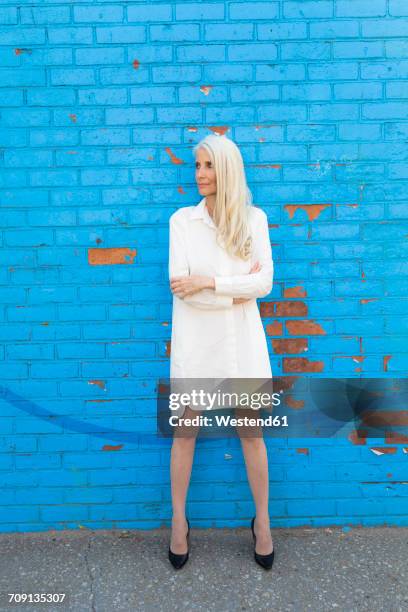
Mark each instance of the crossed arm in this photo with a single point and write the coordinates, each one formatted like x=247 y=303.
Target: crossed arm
x=213 y=293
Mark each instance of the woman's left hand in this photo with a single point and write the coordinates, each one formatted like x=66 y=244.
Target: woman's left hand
x=188 y=285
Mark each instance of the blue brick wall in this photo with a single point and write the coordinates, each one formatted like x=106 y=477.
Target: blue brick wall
x=101 y=104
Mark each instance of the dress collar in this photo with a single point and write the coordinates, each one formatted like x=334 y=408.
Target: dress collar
x=200 y=212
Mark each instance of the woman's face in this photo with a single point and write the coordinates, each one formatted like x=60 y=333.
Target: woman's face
x=205 y=173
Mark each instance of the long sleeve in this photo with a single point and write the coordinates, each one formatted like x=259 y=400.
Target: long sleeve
x=258 y=284
x=205 y=299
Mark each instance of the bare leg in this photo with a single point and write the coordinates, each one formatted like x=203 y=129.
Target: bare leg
x=181 y=462
x=256 y=462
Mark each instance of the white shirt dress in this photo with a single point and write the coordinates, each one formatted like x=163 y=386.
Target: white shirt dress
x=212 y=337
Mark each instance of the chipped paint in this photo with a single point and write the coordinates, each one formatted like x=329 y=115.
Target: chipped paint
x=205 y=89
x=300 y=328
x=100 y=257
x=219 y=129
x=173 y=158
x=274 y=329
x=181 y=190
x=291 y=309
x=135 y=64
x=386 y=359
x=73 y=117
x=293 y=403
x=290 y=345
x=312 y=210
x=303 y=451
x=393 y=437
x=168 y=348
x=267 y=309
x=366 y=300
x=301 y=364
x=294 y=292
x=98 y=383
x=112 y=447
x=20 y=50
x=378 y=450
x=381 y=418
x=357 y=358
x=358 y=436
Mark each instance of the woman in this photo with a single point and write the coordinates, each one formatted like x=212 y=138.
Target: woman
x=220 y=261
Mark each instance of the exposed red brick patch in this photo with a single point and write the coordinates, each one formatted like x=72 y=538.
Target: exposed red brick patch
x=301 y=328
x=398 y=418
x=219 y=129
x=379 y=450
x=393 y=437
x=98 y=240
x=289 y=345
x=386 y=359
x=135 y=64
x=112 y=447
x=206 y=89
x=165 y=323
x=303 y=451
x=168 y=348
x=293 y=403
x=291 y=309
x=312 y=210
x=358 y=358
x=358 y=436
x=294 y=292
x=180 y=189
x=267 y=309
x=98 y=383
x=19 y=51
x=274 y=329
x=301 y=364
x=100 y=257
x=192 y=128
x=73 y=117
x=163 y=388
x=366 y=300
x=174 y=159
x=45 y=323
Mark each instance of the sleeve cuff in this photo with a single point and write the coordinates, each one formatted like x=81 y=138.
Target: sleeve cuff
x=222 y=287
x=226 y=300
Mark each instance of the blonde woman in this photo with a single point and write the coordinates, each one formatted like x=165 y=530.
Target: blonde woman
x=220 y=261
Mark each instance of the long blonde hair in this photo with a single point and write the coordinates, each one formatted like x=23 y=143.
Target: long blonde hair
x=233 y=199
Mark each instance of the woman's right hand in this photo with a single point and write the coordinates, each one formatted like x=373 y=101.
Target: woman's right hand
x=255 y=268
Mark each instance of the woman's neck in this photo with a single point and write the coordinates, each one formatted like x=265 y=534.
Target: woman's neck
x=210 y=203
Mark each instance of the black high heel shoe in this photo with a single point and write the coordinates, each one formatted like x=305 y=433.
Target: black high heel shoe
x=265 y=561
x=178 y=561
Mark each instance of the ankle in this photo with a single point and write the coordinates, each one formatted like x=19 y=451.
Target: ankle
x=262 y=521
x=179 y=520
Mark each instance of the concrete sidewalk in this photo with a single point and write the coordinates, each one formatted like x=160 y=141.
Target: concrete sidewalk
x=314 y=569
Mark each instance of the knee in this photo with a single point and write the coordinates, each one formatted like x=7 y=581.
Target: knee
x=252 y=441
x=184 y=442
